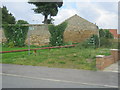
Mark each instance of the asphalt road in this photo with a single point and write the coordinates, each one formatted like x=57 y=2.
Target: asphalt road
x=21 y=76
x=22 y=82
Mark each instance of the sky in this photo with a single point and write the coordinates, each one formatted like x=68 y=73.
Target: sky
x=102 y=13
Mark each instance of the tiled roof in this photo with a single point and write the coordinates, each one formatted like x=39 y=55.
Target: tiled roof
x=114 y=32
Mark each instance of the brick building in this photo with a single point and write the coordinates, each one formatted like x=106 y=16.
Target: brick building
x=78 y=29
x=114 y=33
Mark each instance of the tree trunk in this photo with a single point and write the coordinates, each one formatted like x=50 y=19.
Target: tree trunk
x=45 y=19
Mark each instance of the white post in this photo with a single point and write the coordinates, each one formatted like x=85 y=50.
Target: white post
x=29 y=43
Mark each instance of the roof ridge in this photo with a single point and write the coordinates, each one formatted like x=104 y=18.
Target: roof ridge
x=79 y=17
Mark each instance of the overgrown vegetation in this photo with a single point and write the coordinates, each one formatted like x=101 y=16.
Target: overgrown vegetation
x=56 y=32
x=105 y=34
x=60 y=58
x=92 y=42
x=16 y=33
x=104 y=40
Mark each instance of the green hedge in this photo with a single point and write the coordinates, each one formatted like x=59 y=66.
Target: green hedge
x=16 y=34
x=56 y=32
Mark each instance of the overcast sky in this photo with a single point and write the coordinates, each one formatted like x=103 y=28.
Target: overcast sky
x=104 y=14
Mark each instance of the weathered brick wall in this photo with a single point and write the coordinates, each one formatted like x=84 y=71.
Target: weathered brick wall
x=2 y=36
x=77 y=36
x=105 y=61
x=38 y=36
x=78 y=30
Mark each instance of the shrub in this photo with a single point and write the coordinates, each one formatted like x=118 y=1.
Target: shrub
x=11 y=44
x=106 y=34
x=104 y=42
x=105 y=38
x=83 y=45
x=115 y=43
x=92 y=42
x=56 y=32
x=101 y=33
x=16 y=33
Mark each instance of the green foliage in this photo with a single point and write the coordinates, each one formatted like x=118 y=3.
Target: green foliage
x=114 y=44
x=47 y=8
x=83 y=45
x=7 y=18
x=101 y=33
x=11 y=44
x=22 y=22
x=104 y=42
x=69 y=43
x=59 y=58
x=105 y=34
x=62 y=62
x=56 y=32
x=51 y=62
x=50 y=21
x=105 y=37
x=16 y=33
x=92 y=42
x=108 y=35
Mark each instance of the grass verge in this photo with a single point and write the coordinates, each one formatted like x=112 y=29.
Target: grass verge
x=60 y=58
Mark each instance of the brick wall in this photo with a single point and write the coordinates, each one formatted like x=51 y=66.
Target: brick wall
x=105 y=61
x=78 y=30
x=78 y=36
x=40 y=35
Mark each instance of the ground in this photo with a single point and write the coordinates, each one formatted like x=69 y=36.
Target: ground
x=21 y=76
x=112 y=68
x=61 y=58
x=37 y=76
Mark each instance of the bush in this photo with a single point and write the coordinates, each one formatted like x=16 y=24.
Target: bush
x=11 y=44
x=56 y=32
x=104 y=42
x=101 y=33
x=105 y=38
x=106 y=34
x=115 y=43
x=16 y=33
x=92 y=42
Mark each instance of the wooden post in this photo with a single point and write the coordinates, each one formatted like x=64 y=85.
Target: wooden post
x=35 y=52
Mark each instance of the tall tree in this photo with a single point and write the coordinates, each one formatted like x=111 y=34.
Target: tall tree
x=47 y=9
x=7 y=18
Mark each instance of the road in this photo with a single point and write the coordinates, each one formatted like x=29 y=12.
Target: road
x=21 y=76
x=24 y=82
